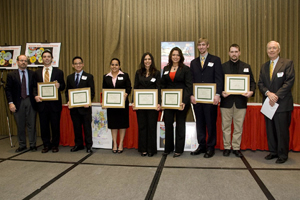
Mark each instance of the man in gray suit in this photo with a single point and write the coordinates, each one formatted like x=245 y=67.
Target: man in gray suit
x=19 y=94
x=275 y=82
x=233 y=107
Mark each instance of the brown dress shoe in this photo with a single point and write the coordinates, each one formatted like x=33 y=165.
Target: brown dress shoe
x=55 y=149
x=45 y=150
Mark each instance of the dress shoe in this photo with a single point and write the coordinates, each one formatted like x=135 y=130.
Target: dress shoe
x=280 y=160
x=76 y=148
x=176 y=155
x=120 y=151
x=237 y=153
x=115 y=151
x=209 y=154
x=198 y=151
x=165 y=153
x=89 y=150
x=20 y=149
x=45 y=150
x=55 y=149
x=150 y=154
x=271 y=156
x=226 y=152
x=144 y=154
x=33 y=149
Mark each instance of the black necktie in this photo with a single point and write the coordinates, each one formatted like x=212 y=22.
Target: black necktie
x=23 y=86
x=77 y=80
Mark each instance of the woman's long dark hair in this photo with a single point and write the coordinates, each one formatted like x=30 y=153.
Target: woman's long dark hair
x=180 y=64
x=152 y=68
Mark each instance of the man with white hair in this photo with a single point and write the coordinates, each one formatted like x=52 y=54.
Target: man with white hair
x=276 y=80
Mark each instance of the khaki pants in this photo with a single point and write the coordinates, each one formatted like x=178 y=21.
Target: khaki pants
x=238 y=116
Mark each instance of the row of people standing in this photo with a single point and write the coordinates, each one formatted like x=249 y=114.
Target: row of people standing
x=275 y=82
x=21 y=90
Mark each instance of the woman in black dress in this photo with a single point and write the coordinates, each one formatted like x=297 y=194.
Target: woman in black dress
x=117 y=118
x=147 y=77
x=176 y=75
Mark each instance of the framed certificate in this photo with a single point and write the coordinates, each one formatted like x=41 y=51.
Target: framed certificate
x=79 y=97
x=171 y=98
x=113 y=98
x=145 y=98
x=48 y=91
x=204 y=92
x=236 y=83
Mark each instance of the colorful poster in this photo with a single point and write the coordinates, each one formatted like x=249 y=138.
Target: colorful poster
x=187 y=48
x=100 y=132
x=191 y=142
x=34 y=52
x=8 y=57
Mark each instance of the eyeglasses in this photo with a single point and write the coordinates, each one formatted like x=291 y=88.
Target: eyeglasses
x=23 y=61
x=77 y=64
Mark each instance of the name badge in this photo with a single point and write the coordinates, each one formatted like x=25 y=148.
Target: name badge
x=246 y=69
x=153 y=80
x=120 y=78
x=83 y=77
x=166 y=72
x=210 y=64
x=280 y=74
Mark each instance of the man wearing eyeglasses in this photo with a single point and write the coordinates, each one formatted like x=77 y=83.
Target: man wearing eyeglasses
x=81 y=116
x=21 y=101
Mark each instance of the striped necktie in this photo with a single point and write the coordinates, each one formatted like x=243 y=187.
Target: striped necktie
x=46 y=78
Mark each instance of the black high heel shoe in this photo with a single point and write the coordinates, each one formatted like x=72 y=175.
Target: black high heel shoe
x=114 y=151
x=144 y=154
x=120 y=151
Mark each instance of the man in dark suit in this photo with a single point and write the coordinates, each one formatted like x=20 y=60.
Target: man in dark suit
x=49 y=111
x=206 y=68
x=233 y=107
x=276 y=80
x=81 y=116
x=19 y=94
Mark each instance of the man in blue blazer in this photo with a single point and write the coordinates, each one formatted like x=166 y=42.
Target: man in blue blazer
x=19 y=94
x=49 y=111
x=206 y=68
x=81 y=116
x=276 y=80
x=233 y=107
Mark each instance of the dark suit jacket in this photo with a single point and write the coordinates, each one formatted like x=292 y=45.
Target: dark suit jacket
x=209 y=74
x=150 y=82
x=13 y=88
x=88 y=82
x=182 y=80
x=57 y=75
x=282 y=82
x=239 y=100
x=120 y=84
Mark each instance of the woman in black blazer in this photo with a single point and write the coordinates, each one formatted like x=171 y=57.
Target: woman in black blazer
x=147 y=77
x=176 y=75
x=117 y=118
